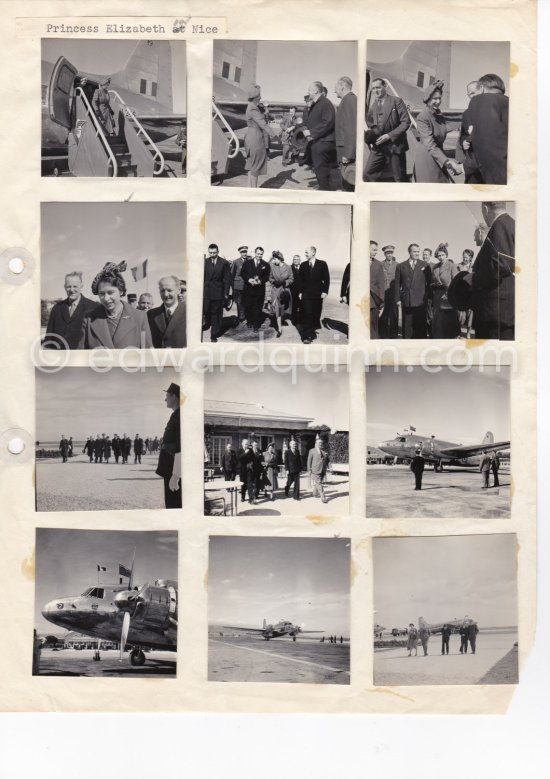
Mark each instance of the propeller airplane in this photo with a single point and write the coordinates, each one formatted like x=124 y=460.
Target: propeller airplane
x=281 y=628
x=438 y=453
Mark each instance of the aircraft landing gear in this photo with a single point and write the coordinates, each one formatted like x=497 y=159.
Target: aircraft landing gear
x=438 y=467
x=137 y=657
x=294 y=638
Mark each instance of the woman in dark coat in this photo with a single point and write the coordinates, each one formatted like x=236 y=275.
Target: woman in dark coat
x=106 y=449
x=431 y=164
x=445 y=322
x=114 y=323
x=256 y=139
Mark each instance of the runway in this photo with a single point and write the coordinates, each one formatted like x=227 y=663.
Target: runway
x=250 y=659
x=73 y=662
x=393 y=667
x=453 y=493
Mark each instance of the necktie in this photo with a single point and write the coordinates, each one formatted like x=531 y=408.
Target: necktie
x=71 y=309
x=311 y=263
x=168 y=315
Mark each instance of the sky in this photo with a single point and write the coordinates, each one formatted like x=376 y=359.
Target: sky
x=469 y=61
x=458 y=407
x=286 y=68
x=303 y=580
x=428 y=224
x=290 y=228
x=101 y=57
x=84 y=236
x=324 y=396
x=79 y=402
x=446 y=577
x=67 y=560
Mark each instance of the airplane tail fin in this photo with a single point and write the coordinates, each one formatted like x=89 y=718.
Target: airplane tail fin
x=149 y=72
x=489 y=438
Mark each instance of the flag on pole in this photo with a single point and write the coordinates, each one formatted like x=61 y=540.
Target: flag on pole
x=123 y=571
x=413 y=429
x=101 y=568
x=140 y=271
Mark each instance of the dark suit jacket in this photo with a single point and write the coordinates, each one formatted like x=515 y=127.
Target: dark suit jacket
x=174 y=333
x=488 y=115
x=293 y=461
x=314 y=281
x=249 y=271
x=344 y=289
x=321 y=120
x=417 y=464
x=68 y=327
x=346 y=127
x=395 y=123
x=412 y=288
x=132 y=329
x=467 y=157
x=217 y=280
x=493 y=278
x=377 y=284
x=138 y=445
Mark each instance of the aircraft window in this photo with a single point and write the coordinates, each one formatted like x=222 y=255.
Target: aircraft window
x=432 y=80
x=44 y=94
x=95 y=592
x=65 y=80
x=142 y=86
x=154 y=89
x=225 y=70
x=238 y=75
x=88 y=591
x=402 y=440
x=420 y=79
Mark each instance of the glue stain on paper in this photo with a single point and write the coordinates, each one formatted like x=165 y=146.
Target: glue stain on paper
x=517 y=269
x=205 y=580
x=365 y=309
x=183 y=398
x=514 y=69
x=318 y=520
x=202 y=224
x=352 y=571
x=28 y=566
x=473 y=343
x=389 y=691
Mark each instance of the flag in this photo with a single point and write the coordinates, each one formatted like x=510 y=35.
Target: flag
x=123 y=571
x=101 y=568
x=413 y=429
x=140 y=271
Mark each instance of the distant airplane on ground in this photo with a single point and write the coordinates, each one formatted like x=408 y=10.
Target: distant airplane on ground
x=144 y=616
x=141 y=98
x=438 y=452
x=378 y=630
x=282 y=628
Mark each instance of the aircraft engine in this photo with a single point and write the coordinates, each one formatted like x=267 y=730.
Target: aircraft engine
x=154 y=607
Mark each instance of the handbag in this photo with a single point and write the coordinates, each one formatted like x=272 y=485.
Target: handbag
x=268 y=308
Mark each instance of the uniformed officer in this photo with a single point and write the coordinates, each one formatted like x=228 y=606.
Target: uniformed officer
x=169 y=464
x=417 y=467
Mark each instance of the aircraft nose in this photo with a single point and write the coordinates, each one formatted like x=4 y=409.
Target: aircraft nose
x=52 y=607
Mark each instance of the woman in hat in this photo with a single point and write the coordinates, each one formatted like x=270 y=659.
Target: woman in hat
x=431 y=164
x=412 y=639
x=101 y=103
x=114 y=323
x=278 y=292
x=271 y=469
x=256 y=139
x=445 y=322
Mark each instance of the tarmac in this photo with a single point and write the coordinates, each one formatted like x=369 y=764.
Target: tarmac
x=394 y=667
x=453 y=493
x=73 y=662
x=251 y=659
x=79 y=485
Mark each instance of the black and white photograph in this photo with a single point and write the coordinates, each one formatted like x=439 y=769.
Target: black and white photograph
x=444 y=597
x=277 y=271
x=113 y=275
x=438 y=442
x=284 y=114
x=114 y=108
x=278 y=610
x=437 y=112
x=442 y=270
x=276 y=441
x=106 y=603
x=108 y=440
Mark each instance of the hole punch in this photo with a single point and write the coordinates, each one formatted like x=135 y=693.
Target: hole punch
x=16 y=265
x=16 y=445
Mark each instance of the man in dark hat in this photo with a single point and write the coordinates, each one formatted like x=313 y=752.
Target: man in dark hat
x=132 y=299
x=388 y=121
x=417 y=467
x=169 y=464
x=238 y=282
x=388 y=322
x=320 y=124
x=101 y=103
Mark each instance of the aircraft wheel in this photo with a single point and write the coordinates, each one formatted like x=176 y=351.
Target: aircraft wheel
x=294 y=638
x=137 y=657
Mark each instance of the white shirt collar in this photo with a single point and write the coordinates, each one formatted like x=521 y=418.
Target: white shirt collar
x=171 y=309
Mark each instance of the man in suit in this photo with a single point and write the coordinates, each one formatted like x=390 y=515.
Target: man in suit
x=215 y=293
x=319 y=129
x=229 y=463
x=388 y=121
x=377 y=290
x=167 y=322
x=346 y=130
x=98 y=449
x=116 y=447
x=388 y=323
x=412 y=286
x=293 y=467
x=169 y=463
x=485 y=470
x=245 y=460
x=493 y=280
x=64 y=448
x=138 y=448
x=315 y=283
x=471 y=634
x=65 y=321
x=125 y=448
x=464 y=151
x=495 y=465
x=488 y=119
x=145 y=302
x=295 y=290
x=255 y=275
x=417 y=467
x=237 y=282
x=344 y=286
x=317 y=464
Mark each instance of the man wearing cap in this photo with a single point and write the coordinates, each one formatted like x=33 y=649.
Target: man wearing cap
x=145 y=302
x=169 y=464
x=132 y=299
x=255 y=275
x=389 y=317
x=237 y=281
x=64 y=327
x=412 y=286
x=319 y=129
x=215 y=292
x=388 y=121
x=417 y=467
x=101 y=103
x=167 y=322
x=377 y=290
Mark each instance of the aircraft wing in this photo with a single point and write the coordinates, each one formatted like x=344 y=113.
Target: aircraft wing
x=313 y=631
x=242 y=628
x=469 y=451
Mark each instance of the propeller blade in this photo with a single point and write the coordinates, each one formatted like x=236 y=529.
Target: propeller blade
x=124 y=634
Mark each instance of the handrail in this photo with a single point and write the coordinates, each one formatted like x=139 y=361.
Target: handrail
x=99 y=130
x=142 y=131
x=229 y=129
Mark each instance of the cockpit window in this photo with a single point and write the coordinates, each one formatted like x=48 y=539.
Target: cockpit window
x=402 y=440
x=94 y=592
x=87 y=592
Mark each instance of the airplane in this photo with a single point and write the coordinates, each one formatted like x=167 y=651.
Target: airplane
x=438 y=453
x=454 y=624
x=378 y=630
x=141 y=98
x=281 y=628
x=144 y=616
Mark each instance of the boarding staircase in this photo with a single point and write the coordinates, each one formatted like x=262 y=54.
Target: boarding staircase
x=131 y=152
x=225 y=144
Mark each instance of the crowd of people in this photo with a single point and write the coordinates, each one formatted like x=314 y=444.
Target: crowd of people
x=468 y=636
x=101 y=448
x=258 y=471
x=260 y=291
x=77 y=322
x=481 y=152
x=329 y=134
x=489 y=463
x=432 y=296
